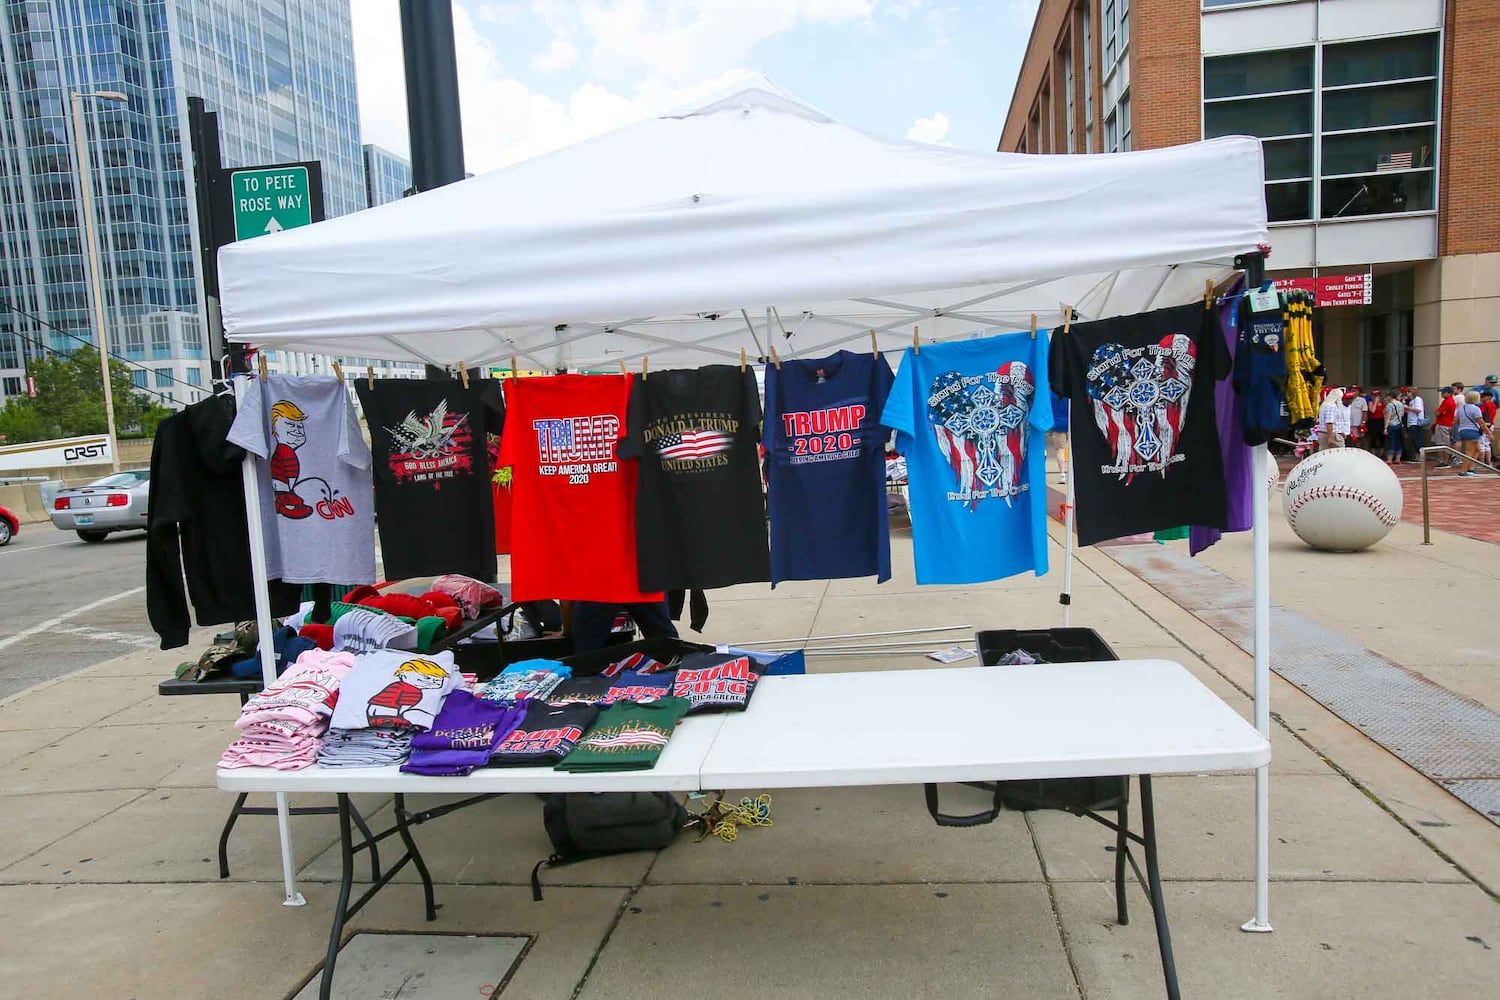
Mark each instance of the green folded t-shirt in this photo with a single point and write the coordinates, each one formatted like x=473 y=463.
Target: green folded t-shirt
x=627 y=736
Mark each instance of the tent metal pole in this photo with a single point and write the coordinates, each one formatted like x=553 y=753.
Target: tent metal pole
x=263 y=630
x=1261 y=543
x=851 y=635
x=760 y=351
x=1067 y=595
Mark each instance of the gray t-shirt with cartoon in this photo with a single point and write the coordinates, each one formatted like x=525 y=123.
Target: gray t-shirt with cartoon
x=316 y=497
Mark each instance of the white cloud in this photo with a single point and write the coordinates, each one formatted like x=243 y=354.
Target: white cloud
x=562 y=54
x=504 y=119
x=934 y=129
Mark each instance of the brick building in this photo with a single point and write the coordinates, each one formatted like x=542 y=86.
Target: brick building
x=1378 y=120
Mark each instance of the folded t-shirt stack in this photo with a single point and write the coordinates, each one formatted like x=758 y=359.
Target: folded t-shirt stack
x=638 y=662
x=363 y=629
x=281 y=726
x=715 y=682
x=545 y=736
x=627 y=736
x=463 y=737
x=472 y=596
x=631 y=686
x=383 y=700
x=534 y=679
x=582 y=690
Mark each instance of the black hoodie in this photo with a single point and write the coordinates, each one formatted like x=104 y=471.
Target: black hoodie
x=197 y=495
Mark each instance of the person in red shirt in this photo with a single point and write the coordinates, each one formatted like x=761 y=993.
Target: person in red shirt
x=1442 y=425
x=1488 y=406
x=1375 y=423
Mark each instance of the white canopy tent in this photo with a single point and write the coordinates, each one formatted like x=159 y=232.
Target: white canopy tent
x=750 y=221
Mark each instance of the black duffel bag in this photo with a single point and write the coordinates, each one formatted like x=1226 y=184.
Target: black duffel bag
x=583 y=825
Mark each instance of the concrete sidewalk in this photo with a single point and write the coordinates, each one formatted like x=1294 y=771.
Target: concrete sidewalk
x=109 y=819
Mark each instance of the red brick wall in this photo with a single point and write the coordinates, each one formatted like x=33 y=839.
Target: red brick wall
x=1166 y=73
x=1036 y=69
x=1469 y=218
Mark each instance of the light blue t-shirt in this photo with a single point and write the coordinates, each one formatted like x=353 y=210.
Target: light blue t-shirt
x=967 y=415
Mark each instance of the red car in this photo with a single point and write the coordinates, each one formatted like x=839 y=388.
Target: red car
x=10 y=525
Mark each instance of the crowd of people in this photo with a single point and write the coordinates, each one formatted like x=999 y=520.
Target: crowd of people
x=1395 y=423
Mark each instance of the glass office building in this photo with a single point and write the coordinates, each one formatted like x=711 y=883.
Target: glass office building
x=279 y=72
x=387 y=176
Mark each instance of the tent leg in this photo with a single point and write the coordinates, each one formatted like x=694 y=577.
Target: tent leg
x=1261 y=542
x=264 y=628
x=1066 y=598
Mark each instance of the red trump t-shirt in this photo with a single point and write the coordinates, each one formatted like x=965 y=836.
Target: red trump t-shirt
x=572 y=496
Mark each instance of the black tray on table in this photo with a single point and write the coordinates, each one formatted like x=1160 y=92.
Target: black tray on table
x=486 y=659
x=1054 y=645
x=662 y=648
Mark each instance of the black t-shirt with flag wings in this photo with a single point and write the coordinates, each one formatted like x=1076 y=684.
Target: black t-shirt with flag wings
x=432 y=474
x=700 y=512
x=1144 y=426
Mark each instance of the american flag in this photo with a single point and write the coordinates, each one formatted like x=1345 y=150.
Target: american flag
x=1394 y=161
x=577 y=439
x=694 y=444
x=963 y=457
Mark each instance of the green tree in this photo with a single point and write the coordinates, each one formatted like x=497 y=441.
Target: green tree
x=70 y=400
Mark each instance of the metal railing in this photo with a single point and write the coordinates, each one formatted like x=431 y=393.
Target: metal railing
x=1475 y=466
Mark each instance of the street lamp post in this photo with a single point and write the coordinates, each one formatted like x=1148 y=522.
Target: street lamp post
x=91 y=236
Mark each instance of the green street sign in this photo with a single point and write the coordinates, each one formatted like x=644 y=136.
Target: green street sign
x=270 y=199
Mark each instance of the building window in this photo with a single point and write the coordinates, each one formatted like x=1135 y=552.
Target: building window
x=1123 y=111
x=1385 y=349
x=1068 y=92
x=1379 y=127
x=1370 y=148
x=12 y=385
x=1111 y=133
x=163 y=377
x=138 y=377
x=1088 y=79
x=194 y=376
x=1107 y=38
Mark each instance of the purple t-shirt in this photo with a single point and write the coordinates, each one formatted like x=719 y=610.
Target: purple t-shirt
x=1238 y=474
x=464 y=735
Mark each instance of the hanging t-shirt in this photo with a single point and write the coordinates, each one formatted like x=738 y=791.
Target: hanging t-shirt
x=967 y=413
x=432 y=474
x=545 y=736
x=1260 y=368
x=626 y=737
x=315 y=503
x=699 y=513
x=1145 y=439
x=573 y=514
x=390 y=689
x=826 y=468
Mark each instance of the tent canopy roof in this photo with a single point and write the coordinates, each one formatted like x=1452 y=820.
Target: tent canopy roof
x=750 y=220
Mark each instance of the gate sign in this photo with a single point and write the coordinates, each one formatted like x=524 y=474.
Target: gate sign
x=270 y=199
x=1332 y=289
x=91 y=449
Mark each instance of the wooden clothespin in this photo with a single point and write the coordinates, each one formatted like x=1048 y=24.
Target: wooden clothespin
x=260 y=359
x=1033 y=326
x=645 y=367
x=775 y=360
x=916 y=340
x=1208 y=293
x=874 y=344
x=1067 y=318
x=514 y=371
x=463 y=373
x=369 y=376
x=623 y=369
x=338 y=370
x=742 y=359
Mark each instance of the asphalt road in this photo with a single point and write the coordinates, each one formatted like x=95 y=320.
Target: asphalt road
x=66 y=604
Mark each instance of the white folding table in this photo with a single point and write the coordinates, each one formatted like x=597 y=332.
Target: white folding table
x=1127 y=717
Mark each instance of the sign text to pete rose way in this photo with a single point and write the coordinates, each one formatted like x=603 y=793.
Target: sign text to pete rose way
x=1332 y=289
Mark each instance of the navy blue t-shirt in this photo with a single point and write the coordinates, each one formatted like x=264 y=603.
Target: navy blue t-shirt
x=825 y=453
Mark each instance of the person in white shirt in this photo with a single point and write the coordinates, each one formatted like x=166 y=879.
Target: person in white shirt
x=1358 y=407
x=1416 y=424
x=1333 y=419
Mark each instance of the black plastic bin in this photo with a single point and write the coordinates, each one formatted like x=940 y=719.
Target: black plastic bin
x=1054 y=645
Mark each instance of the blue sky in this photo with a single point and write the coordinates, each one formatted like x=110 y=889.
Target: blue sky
x=535 y=75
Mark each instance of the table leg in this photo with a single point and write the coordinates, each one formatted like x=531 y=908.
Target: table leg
x=1122 y=851
x=1153 y=879
x=364 y=830
x=340 y=909
x=416 y=856
x=234 y=814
